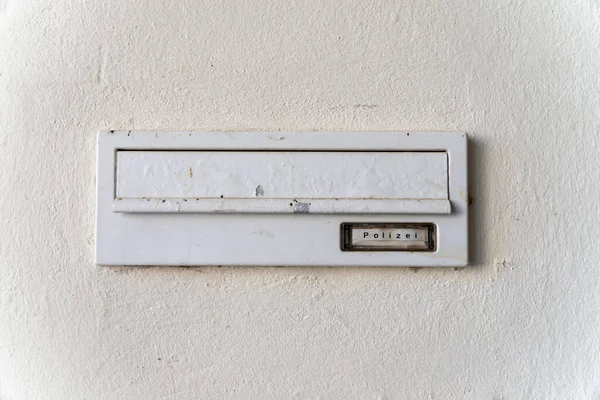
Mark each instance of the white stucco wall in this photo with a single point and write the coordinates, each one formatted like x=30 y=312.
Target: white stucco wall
x=522 y=77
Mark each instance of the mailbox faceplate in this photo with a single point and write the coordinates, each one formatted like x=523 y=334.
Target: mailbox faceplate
x=276 y=198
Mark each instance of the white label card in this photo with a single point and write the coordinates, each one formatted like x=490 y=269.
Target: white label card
x=393 y=237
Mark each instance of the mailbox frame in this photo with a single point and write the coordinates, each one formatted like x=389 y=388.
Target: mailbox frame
x=269 y=239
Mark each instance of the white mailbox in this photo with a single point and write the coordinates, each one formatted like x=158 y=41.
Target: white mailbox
x=282 y=198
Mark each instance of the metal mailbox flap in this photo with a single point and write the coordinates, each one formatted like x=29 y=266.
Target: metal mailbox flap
x=345 y=182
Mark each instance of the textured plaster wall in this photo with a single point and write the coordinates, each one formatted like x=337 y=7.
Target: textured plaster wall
x=522 y=77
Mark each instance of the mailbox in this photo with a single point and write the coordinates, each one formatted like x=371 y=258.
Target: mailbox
x=281 y=198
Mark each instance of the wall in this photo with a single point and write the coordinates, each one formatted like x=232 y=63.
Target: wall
x=521 y=77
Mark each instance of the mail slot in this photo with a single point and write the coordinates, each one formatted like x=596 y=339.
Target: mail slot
x=281 y=182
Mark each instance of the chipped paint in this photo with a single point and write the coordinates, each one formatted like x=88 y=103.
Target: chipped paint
x=464 y=195
x=301 y=207
x=264 y=232
x=259 y=191
x=270 y=137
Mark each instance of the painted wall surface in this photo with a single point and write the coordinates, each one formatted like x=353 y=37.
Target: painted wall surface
x=521 y=77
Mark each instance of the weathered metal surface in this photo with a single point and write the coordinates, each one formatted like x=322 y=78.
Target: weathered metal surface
x=280 y=182
x=300 y=235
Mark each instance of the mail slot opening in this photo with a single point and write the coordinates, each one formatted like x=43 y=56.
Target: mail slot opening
x=356 y=182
